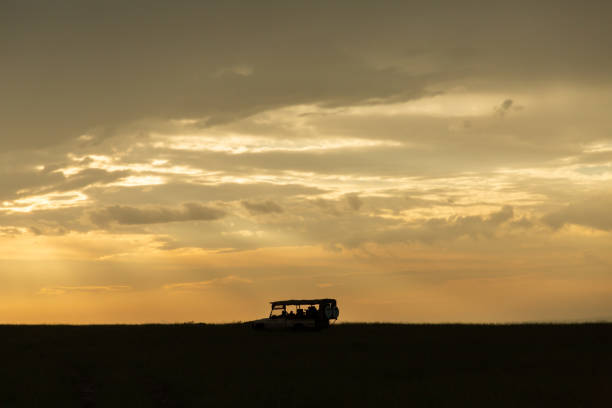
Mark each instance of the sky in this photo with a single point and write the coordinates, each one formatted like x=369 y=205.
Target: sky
x=192 y=161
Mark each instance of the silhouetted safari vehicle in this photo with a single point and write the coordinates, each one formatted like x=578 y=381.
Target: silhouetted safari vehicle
x=299 y=314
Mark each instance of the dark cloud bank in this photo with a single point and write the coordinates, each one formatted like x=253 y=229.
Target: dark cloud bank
x=266 y=207
x=593 y=213
x=71 y=67
x=126 y=215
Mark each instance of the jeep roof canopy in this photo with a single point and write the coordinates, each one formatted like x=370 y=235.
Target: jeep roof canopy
x=304 y=302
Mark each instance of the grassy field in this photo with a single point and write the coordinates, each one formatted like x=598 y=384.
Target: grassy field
x=365 y=365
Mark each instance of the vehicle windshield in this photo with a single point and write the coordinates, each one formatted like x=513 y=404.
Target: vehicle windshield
x=277 y=312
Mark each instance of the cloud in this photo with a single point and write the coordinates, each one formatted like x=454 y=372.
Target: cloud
x=496 y=218
x=61 y=290
x=242 y=70
x=355 y=231
x=126 y=215
x=593 y=213
x=222 y=191
x=504 y=107
x=81 y=89
x=353 y=201
x=91 y=86
x=47 y=230
x=474 y=226
x=228 y=280
x=10 y=231
x=26 y=176
x=266 y=207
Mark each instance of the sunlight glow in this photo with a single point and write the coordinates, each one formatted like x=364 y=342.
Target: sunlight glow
x=452 y=104
x=239 y=144
x=134 y=181
x=45 y=202
x=111 y=164
x=598 y=148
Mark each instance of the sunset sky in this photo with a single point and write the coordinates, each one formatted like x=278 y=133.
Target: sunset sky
x=192 y=161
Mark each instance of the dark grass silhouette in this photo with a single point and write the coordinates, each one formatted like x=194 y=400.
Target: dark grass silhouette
x=366 y=365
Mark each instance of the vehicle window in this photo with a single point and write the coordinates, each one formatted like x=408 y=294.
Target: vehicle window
x=276 y=313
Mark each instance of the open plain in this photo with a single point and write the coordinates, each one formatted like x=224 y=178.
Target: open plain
x=384 y=365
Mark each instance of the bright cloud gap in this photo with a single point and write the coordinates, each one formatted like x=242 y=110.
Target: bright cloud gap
x=239 y=144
